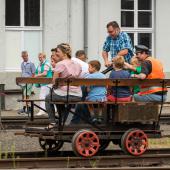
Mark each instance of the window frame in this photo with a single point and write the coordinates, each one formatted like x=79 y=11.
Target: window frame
x=22 y=27
x=135 y=30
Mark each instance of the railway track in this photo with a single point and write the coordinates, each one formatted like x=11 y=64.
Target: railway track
x=67 y=159
x=18 y=122
x=64 y=153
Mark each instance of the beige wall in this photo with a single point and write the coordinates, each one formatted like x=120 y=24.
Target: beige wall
x=2 y=34
x=100 y=13
x=54 y=23
x=163 y=32
x=63 y=22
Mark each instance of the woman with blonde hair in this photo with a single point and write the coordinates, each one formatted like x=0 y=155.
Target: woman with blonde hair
x=65 y=68
x=43 y=70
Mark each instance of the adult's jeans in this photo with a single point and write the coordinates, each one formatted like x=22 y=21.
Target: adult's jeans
x=149 y=98
x=81 y=113
x=50 y=106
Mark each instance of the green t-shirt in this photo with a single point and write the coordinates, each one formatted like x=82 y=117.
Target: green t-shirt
x=136 y=89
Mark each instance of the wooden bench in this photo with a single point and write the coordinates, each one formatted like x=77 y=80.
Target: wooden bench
x=89 y=82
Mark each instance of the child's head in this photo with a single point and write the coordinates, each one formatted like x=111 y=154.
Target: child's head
x=134 y=61
x=80 y=54
x=94 y=66
x=119 y=62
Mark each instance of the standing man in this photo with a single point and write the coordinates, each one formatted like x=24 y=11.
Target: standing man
x=151 y=68
x=28 y=70
x=117 y=43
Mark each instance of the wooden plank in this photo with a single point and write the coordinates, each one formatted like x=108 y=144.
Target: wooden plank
x=112 y=82
x=33 y=80
x=96 y=82
x=137 y=113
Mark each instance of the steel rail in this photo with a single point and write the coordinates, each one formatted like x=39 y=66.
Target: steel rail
x=78 y=162
x=39 y=154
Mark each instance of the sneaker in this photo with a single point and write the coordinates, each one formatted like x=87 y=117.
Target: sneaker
x=41 y=113
x=20 y=111
x=97 y=120
x=93 y=120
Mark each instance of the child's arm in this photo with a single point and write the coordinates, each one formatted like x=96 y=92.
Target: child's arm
x=129 y=66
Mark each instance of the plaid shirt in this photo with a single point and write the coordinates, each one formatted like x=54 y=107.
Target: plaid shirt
x=121 y=42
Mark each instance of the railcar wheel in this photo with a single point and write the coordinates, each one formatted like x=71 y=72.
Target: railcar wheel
x=50 y=145
x=134 y=142
x=85 y=143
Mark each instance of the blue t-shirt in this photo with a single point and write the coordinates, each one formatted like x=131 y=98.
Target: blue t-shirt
x=96 y=93
x=122 y=91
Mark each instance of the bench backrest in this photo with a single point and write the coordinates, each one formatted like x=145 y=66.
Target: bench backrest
x=112 y=82
x=96 y=82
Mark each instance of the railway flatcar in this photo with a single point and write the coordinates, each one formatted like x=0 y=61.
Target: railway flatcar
x=127 y=124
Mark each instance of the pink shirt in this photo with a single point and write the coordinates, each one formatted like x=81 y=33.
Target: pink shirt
x=68 y=68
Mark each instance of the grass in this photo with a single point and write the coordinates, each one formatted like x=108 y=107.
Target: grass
x=159 y=143
x=13 y=154
x=6 y=155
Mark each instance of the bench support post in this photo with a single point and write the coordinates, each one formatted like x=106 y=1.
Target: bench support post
x=162 y=101
x=32 y=110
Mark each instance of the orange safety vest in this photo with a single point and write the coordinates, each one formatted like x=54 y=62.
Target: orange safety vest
x=157 y=73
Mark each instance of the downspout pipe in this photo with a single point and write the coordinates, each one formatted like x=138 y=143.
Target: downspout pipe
x=85 y=25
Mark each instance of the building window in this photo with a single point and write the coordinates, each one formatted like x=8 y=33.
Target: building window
x=22 y=13
x=137 y=20
x=127 y=13
x=32 y=13
x=12 y=13
x=23 y=30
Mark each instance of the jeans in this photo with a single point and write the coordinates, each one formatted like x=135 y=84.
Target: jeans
x=81 y=113
x=149 y=98
x=50 y=107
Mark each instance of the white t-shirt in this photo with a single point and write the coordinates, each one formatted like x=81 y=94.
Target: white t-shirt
x=84 y=66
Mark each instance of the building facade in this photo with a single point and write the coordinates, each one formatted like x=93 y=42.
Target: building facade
x=39 y=25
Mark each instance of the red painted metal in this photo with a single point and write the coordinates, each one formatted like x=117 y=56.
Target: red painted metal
x=135 y=142
x=86 y=143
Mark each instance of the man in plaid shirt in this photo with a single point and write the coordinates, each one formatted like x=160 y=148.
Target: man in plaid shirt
x=117 y=43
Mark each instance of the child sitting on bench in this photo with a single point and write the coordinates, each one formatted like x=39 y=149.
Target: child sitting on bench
x=94 y=93
x=122 y=94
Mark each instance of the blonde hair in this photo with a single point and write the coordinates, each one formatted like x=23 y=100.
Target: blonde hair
x=65 y=48
x=119 y=61
x=134 y=61
x=43 y=54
